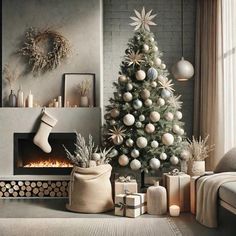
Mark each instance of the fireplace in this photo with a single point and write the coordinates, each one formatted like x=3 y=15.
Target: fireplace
x=31 y=160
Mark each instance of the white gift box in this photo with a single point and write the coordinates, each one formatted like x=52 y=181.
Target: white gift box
x=123 y=187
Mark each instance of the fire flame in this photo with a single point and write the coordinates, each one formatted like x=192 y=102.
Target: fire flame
x=49 y=163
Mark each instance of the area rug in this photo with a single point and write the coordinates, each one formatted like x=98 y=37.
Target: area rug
x=88 y=227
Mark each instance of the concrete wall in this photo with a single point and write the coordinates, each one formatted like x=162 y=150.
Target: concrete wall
x=168 y=35
x=79 y=21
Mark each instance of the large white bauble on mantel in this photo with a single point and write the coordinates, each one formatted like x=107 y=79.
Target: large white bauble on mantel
x=149 y=128
x=163 y=156
x=123 y=160
x=127 y=97
x=122 y=79
x=161 y=102
x=183 y=70
x=154 y=163
x=154 y=144
x=145 y=48
x=129 y=142
x=140 y=75
x=178 y=115
x=135 y=164
x=141 y=142
x=145 y=94
x=128 y=120
x=169 y=116
x=174 y=160
x=154 y=116
x=167 y=139
x=135 y=153
x=157 y=61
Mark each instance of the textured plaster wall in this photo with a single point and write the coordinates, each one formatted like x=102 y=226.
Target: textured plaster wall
x=78 y=20
x=168 y=35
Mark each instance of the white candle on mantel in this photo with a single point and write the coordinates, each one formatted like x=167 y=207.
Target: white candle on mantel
x=30 y=99
x=174 y=210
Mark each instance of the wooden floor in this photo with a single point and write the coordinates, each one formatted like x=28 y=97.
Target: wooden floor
x=55 y=208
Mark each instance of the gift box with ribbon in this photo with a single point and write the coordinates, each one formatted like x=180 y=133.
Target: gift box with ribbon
x=131 y=204
x=178 y=189
x=125 y=184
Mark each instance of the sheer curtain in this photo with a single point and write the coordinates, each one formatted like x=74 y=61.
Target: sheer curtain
x=215 y=78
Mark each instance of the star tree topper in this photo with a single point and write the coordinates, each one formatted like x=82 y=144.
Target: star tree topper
x=143 y=20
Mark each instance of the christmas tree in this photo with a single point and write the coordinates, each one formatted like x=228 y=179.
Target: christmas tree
x=143 y=120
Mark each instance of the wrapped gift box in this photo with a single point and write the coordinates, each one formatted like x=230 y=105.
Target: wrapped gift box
x=130 y=205
x=130 y=186
x=178 y=190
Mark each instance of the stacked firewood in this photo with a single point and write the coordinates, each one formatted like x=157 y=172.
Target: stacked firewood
x=34 y=188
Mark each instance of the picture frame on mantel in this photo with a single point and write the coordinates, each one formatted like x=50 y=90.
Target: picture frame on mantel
x=73 y=94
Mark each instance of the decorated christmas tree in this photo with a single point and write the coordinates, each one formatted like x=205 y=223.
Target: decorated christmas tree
x=143 y=120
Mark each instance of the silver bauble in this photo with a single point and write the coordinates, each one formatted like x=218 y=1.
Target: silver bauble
x=145 y=48
x=185 y=155
x=123 y=160
x=149 y=128
x=167 y=139
x=163 y=156
x=141 y=142
x=163 y=66
x=176 y=129
x=183 y=70
x=145 y=94
x=118 y=140
x=127 y=97
x=140 y=75
x=152 y=73
x=154 y=116
x=137 y=104
x=169 y=116
x=154 y=144
x=112 y=122
x=157 y=61
x=154 y=163
x=181 y=131
x=128 y=120
x=135 y=153
x=148 y=102
x=113 y=153
x=141 y=118
x=165 y=93
x=178 y=115
x=138 y=124
x=129 y=142
x=96 y=156
x=153 y=84
x=155 y=48
x=129 y=86
x=122 y=79
x=135 y=164
x=115 y=113
x=174 y=160
x=161 y=102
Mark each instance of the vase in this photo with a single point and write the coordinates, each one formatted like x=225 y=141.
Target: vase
x=84 y=101
x=156 y=200
x=196 y=168
x=20 y=97
x=12 y=99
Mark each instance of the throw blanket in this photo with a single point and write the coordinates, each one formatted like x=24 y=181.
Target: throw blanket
x=207 y=196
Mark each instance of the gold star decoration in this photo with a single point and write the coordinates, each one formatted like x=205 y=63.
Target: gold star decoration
x=142 y=20
x=166 y=85
x=117 y=134
x=134 y=58
x=175 y=102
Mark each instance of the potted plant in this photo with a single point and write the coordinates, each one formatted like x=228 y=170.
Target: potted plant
x=199 y=151
x=84 y=88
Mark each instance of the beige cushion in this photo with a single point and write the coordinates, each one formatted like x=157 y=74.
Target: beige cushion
x=228 y=162
x=227 y=193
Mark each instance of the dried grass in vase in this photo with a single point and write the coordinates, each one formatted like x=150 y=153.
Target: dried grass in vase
x=84 y=88
x=10 y=75
x=199 y=149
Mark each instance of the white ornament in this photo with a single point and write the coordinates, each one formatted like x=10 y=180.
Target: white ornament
x=181 y=131
x=96 y=156
x=129 y=142
x=169 y=116
x=113 y=153
x=118 y=140
x=123 y=160
x=145 y=94
x=174 y=160
x=149 y=128
x=183 y=70
x=151 y=63
x=152 y=73
x=127 y=96
x=145 y=48
x=115 y=113
x=163 y=156
x=148 y=102
x=162 y=79
x=179 y=115
x=138 y=124
x=154 y=163
x=167 y=139
x=161 y=102
x=122 y=79
x=128 y=119
x=157 y=61
x=165 y=93
x=179 y=139
x=185 y=155
x=176 y=129
x=135 y=164
x=154 y=116
x=137 y=104
x=151 y=39
x=135 y=153
x=141 y=118
x=154 y=144
x=163 y=66
x=153 y=84
x=129 y=86
x=140 y=75
x=155 y=48
x=112 y=122
x=141 y=142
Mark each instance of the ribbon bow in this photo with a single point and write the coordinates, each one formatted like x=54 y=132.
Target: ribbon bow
x=175 y=172
x=122 y=205
x=124 y=179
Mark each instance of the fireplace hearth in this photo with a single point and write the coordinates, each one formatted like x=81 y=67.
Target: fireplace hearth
x=31 y=160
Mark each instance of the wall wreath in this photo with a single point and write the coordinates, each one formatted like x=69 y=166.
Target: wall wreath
x=44 y=49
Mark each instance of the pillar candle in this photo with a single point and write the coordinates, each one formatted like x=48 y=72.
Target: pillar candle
x=30 y=99
x=174 y=210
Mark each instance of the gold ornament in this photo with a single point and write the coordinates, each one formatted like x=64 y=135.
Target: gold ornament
x=166 y=85
x=134 y=58
x=174 y=102
x=117 y=135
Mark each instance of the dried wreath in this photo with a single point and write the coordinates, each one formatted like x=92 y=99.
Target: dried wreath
x=44 y=49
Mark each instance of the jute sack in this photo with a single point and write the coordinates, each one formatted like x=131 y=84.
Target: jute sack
x=90 y=189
